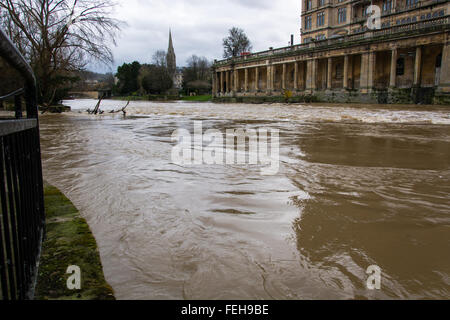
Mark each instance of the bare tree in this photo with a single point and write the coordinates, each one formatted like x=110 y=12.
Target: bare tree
x=197 y=75
x=236 y=43
x=58 y=37
x=198 y=68
x=159 y=58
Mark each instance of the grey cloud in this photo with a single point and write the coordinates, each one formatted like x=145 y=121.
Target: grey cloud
x=198 y=26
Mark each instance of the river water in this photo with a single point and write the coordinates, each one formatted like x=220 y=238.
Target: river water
x=357 y=186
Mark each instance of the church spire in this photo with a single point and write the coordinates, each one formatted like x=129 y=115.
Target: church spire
x=171 y=58
x=170 y=40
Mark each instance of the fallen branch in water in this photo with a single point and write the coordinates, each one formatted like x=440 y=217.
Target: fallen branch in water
x=97 y=107
x=121 y=110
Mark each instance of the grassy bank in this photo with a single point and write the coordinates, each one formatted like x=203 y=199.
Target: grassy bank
x=69 y=242
x=147 y=98
x=204 y=98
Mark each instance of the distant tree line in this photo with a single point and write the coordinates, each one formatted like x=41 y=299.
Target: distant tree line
x=154 y=78
x=60 y=38
x=140 y=79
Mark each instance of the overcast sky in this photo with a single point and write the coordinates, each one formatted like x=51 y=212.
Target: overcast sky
x=198 y=26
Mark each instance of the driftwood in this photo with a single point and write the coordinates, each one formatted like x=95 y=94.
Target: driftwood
x=97 y=107
x=98 y=111
x=121 y=110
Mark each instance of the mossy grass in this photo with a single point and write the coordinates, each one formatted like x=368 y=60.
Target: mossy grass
x=201 y=98
x=69 y=241
x=160 y=97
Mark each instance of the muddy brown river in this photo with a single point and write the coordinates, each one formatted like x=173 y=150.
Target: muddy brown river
x=357 y=186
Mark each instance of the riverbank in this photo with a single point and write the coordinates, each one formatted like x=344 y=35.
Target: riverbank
x=166 y=98
x=69 y=242
x=400 y=98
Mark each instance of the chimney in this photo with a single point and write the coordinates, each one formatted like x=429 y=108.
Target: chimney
x=292 y=39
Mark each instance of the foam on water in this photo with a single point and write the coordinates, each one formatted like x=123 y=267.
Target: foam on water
x=281 y=112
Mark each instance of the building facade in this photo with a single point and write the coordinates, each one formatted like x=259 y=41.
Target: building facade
x=385 y=51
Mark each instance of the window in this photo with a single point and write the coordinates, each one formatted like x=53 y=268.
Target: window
x=387 y=5
x=320 y=37
x=320 y=19
x=321 y=3
x=400 y=67
x=366 y=12
x=308 y=4
x=411 y=3
x=342 y=15
x=308 y=22
x=307 y=40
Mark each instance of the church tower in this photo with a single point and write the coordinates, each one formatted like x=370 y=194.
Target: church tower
x=171 y=58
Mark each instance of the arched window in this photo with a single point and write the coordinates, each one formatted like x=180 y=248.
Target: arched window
x=439 y=60
x=400 y=67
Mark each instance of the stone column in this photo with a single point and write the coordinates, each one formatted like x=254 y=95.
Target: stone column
x=221 y=82
x=217 y=83
x=329 y=73
x=364 y=73
x=256 y=79
x=371 y=76
x=311 y=71
x=269 y=71
x=246 y=80
x=350 y=72
x=444 y=81
x=345 y=82
x=418 y=67
x=272 y=77
x=236 y=80
x=393 y=78
x=367 y=69
x=283 y=80
x=295 y=75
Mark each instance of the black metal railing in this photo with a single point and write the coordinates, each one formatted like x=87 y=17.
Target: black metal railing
x=22 y=216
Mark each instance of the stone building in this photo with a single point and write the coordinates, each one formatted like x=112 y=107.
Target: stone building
x=171 y=60
x=348 y=56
